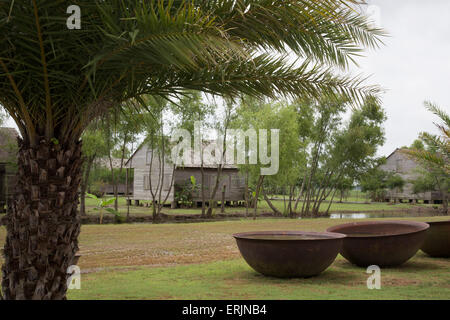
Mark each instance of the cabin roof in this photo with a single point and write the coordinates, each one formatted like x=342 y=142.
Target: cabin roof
x=104 y=162
x=132 y=156
x=194 y=165
x=393 y=152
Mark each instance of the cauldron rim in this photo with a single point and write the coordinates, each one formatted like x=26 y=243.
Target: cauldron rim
x=325 y=235
x=422 y=226
x=438 y=222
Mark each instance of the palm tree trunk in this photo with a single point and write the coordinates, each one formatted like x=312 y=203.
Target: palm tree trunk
x=43 y=224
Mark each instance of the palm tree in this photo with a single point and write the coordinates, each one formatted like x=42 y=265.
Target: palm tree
x=436 y=156
x=55 y=81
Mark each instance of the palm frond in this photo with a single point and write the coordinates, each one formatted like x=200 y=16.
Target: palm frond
x=54 y=81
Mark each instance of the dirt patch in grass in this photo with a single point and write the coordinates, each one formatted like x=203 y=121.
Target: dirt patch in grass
x=398 y=282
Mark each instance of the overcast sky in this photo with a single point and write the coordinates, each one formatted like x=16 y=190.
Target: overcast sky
x=413 y=66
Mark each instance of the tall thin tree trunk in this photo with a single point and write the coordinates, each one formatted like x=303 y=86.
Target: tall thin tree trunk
x=331 y=201
x=291 y=195
x=247 y=194
x=127 y=191
x=321 y=192
x=300 y=192
x=202 y=172
x=84 y=184
x=331 y=188
x=445 y=205
x=309 y=188
x=258 y=187
x=274 y=209
x=222 y=204
x=43 y=224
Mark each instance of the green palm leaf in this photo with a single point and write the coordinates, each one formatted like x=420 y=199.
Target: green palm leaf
x=54 y=81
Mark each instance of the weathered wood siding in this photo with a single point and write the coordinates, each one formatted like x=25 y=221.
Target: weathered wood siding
x=406 y=168
x=121 y=188
x=141 y=183
x=234 y=182
x=140 y=162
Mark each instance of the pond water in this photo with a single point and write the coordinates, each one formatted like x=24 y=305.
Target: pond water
x=283 y=237
x=350 y=216
x=365 y=215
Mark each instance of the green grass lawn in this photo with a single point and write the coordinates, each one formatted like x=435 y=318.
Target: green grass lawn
x=262 y=207
x=202 y=261
x=420 y=278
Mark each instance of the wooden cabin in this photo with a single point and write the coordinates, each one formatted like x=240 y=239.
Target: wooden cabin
x=8 y=150
x=406 y=167
x=163 y=171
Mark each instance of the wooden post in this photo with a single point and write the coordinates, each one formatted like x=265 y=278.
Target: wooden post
x=222 y=205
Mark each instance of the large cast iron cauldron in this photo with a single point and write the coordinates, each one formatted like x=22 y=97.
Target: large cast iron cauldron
x=437 y=241
x=289 y=253
x=382 y=243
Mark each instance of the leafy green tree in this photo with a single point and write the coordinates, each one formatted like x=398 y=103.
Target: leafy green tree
x=158 y=144
x=94 y=146
x=121 y=127
x=395 y=183
x=377 y=182
x=189 y=109
x=257 y=115
x=373 y=182
x=344 y=186
x=341 y=152
x=292 y=154
x=418 y=144
x=54 y=81
x=425 y=182
x=328 y=117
